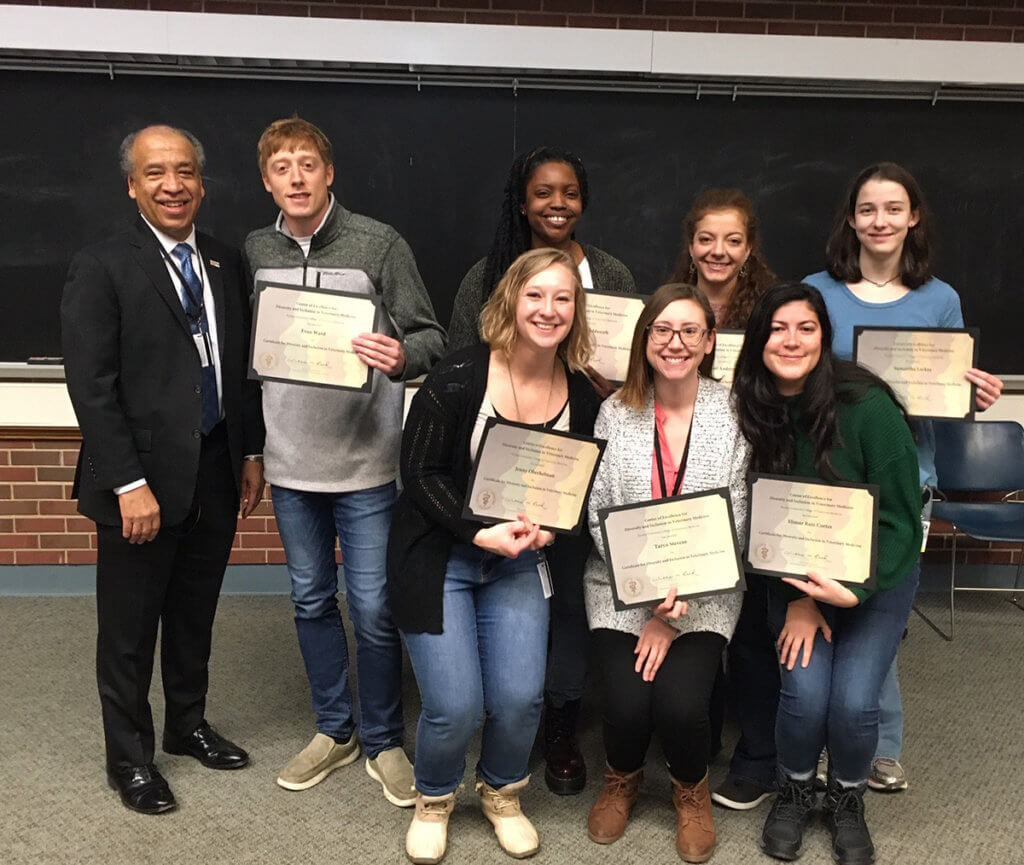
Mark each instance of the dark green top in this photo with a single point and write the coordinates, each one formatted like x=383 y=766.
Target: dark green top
x=874 y=446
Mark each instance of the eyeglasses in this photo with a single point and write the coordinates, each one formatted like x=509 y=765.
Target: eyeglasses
x=690 y=335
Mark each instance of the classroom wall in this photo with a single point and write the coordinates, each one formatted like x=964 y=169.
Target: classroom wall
x=952 y=20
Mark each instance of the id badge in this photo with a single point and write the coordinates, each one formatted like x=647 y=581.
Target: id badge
x=545 y=575
x=202 y=341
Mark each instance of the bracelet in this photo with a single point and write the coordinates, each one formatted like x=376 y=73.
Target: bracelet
x=254 y=458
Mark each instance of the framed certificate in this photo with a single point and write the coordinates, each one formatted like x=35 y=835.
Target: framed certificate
x=727 y=349
x=924 y=365
x=304 y=336
x=612 y=317
x=800 y=524
x=545 y=474
x=684 y=542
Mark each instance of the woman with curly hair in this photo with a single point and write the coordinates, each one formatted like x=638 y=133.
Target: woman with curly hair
x=721 y=254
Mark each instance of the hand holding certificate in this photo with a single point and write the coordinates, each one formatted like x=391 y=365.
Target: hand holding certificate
x=543 y=474
x=926 y=367
x=684 y=543
x=799 y=525
x=304 y=335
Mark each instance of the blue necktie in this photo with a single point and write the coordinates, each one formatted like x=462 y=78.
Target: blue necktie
x=197 y=322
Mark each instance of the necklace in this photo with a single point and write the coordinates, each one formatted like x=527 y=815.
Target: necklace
x=891 y=279
x=515 y=399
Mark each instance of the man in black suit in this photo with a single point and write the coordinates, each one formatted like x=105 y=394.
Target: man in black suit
x=155 y=328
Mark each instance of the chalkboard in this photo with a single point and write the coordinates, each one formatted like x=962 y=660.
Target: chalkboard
x=433 y=162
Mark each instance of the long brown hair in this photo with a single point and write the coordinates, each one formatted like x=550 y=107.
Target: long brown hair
x=640 y=377
x=755 y=277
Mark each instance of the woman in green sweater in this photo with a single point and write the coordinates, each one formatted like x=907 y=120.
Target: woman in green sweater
x=808 y=414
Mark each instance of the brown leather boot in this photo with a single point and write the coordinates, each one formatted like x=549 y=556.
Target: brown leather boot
x=607 y=819
x=695 y=828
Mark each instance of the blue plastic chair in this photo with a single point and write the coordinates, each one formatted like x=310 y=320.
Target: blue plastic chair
x=980 y=457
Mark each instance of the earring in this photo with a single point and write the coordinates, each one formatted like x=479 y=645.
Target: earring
x=743 y=271
x=691 y=273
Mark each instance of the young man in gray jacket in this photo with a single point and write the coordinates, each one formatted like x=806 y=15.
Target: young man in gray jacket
x=331 y=456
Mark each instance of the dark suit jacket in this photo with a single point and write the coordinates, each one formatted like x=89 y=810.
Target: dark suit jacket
x=134 y=374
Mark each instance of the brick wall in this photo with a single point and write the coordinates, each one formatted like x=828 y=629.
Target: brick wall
x=39 y=524
x=957 y=20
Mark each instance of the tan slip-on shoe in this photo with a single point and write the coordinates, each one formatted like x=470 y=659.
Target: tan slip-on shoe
x=316 y=761
x=608 y=818
x=516 y=834
x=427 y=837
x=393 y=771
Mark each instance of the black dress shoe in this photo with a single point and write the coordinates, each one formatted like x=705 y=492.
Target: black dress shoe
x=210 y=748
x=142 y=788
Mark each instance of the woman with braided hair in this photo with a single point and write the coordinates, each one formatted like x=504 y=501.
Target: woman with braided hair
x=545 y=197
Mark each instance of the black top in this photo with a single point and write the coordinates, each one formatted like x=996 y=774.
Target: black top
x=435 y=468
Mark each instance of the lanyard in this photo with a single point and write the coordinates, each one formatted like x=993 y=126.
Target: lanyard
x=197 y=303
x=682 y=461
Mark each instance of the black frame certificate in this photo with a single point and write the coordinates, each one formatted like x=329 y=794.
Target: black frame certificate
x=728 y=343
x=611 y=316
x=303 y=335
x=925 y=366
x=545 y=474
x=804 y=524
x=683 y=542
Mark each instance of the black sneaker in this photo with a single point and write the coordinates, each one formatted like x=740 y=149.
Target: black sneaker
x=844 y=817
x=783 y=833
x=739 y=794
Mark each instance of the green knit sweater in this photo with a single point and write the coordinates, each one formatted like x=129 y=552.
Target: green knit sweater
x=874 y=446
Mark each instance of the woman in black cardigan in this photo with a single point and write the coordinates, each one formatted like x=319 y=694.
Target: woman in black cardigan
x=468 y=598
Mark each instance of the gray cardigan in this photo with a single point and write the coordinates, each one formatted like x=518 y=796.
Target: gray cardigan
x=719 y=457
x=609 y=274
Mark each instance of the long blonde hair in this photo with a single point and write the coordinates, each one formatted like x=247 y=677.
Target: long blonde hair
x=498 y=317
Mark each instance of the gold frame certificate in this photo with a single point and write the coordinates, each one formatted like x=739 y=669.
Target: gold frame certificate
x=684 y=542
x=801 y=524
x=543 y=473
x=727 y=350
x=612 y=317
x=304 y=335
x=925 y=366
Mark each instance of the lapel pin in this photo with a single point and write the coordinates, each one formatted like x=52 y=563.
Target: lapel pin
x=214 y=263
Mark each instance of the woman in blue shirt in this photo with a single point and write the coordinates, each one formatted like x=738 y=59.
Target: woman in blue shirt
x=879 y=272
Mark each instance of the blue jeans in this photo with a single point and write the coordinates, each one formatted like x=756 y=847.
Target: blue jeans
x=487 y=663
x=308 y=523
x=834 y=701
x=890 y=716
x=753 y=687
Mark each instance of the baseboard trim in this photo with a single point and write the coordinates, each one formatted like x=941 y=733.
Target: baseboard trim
x=56 y=580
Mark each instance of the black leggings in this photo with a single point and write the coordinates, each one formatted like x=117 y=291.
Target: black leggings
x=674 y=705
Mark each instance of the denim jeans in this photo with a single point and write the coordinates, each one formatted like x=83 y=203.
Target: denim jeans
x=308 y=523
x=488 y=663
x=834 y=701
x=890 y=716
x=753 y=687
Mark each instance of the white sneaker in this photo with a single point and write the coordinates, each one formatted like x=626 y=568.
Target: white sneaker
x=887 y=775
x=427 y=838
x=516 y=834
